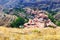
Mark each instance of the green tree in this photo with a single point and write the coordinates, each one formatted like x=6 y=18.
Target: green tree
x=54 y=20
x=19 y=21
x=52 y=12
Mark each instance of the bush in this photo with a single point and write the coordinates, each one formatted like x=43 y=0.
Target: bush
x=19 y=21
x=51 y=18
x=52 y=12
x=19 y=10
x=54 y=20
x=58 y=23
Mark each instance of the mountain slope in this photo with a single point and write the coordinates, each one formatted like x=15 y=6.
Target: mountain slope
x=42 y=4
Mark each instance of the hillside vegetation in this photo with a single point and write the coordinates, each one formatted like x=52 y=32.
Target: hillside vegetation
x=54 y=17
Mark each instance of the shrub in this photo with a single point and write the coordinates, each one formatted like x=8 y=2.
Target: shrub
x=52 y=12
x=54 y=20
x=19 y=21
x=51 y=17
x=58 y=23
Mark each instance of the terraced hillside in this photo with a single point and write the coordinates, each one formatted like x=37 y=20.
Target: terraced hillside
x=6 y=19
x=29 y=34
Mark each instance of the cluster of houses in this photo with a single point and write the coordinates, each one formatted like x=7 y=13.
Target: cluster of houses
x=40 y=19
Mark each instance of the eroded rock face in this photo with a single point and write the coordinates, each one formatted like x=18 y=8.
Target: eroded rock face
x=6 y=19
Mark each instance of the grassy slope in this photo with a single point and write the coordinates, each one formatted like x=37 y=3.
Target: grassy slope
x=29 y=34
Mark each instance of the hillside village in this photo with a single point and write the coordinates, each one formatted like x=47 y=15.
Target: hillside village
x=39 y=19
